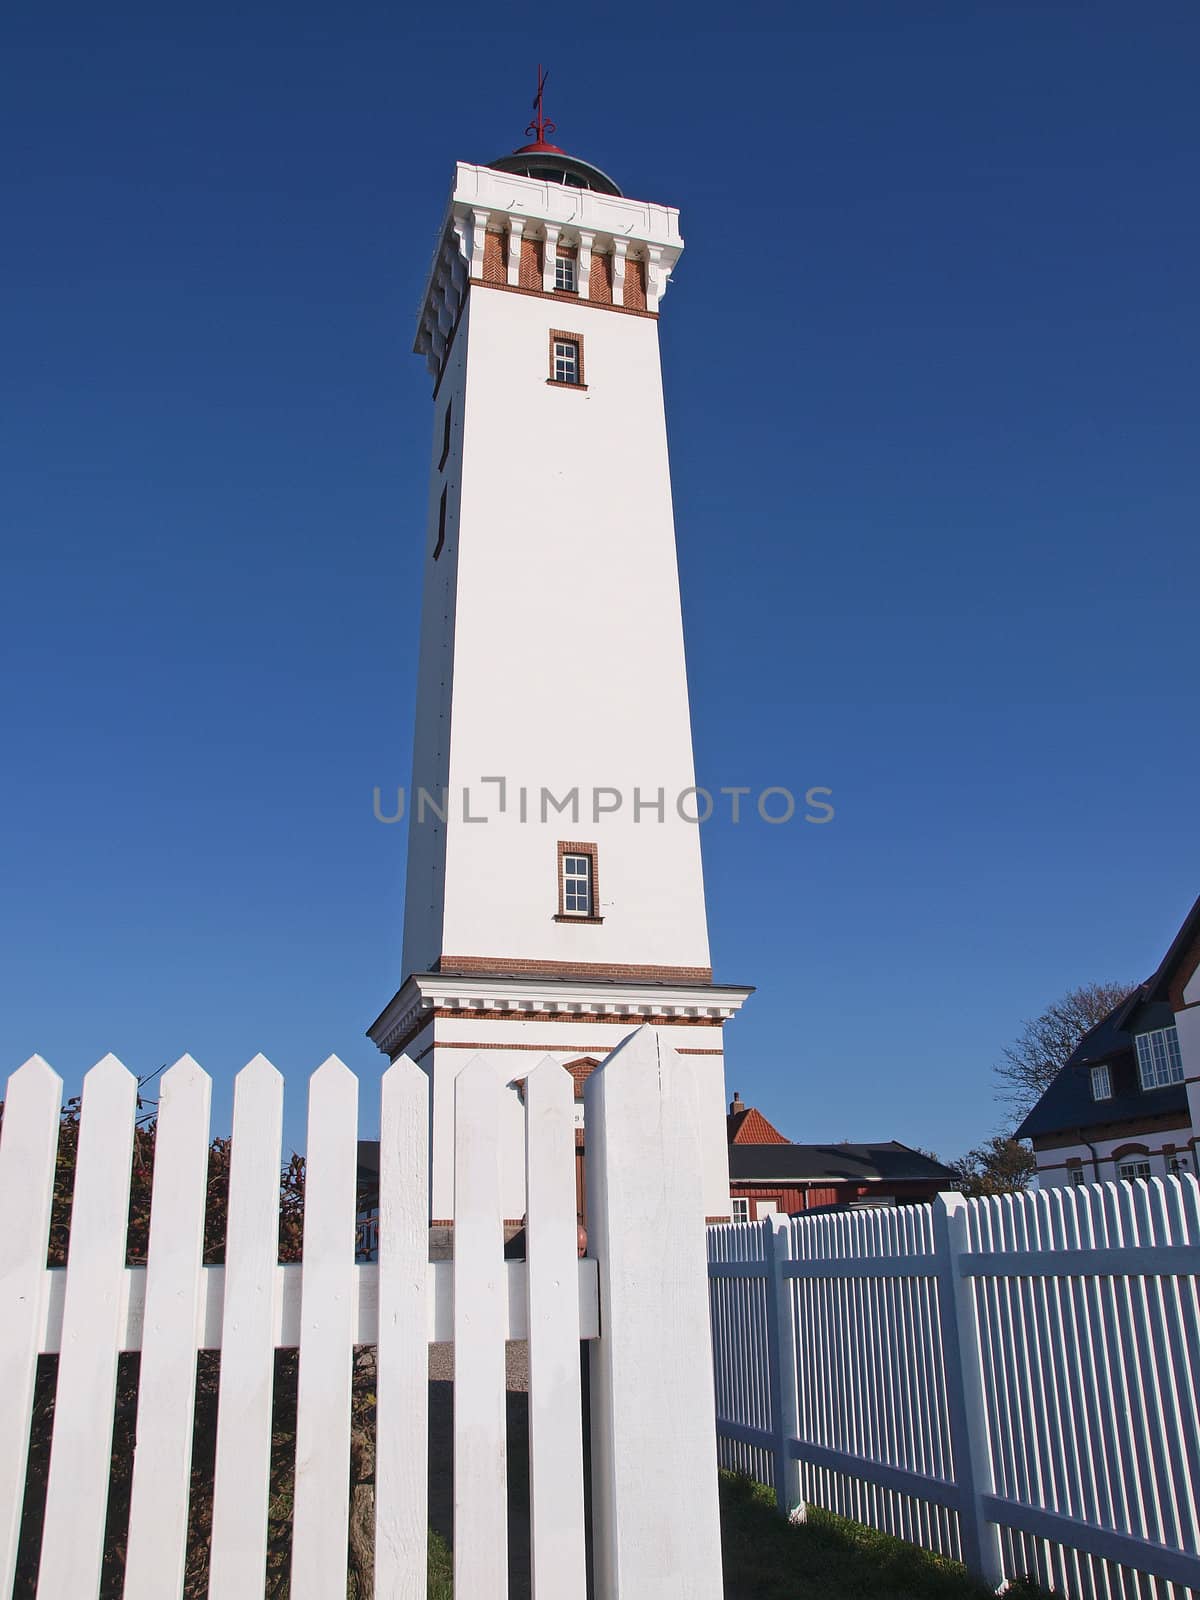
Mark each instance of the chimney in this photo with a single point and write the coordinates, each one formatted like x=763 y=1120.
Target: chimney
x=735 y=1105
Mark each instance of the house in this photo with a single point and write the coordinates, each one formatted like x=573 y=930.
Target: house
x=1127 y=1103
x=767 y=1173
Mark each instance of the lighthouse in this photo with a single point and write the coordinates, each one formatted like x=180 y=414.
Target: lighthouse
x=554 y=897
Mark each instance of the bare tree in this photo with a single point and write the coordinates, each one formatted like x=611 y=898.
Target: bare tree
x=1045 y=1043
x=1001 y=1166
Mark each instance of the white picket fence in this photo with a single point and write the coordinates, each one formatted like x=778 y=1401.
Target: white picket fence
x=1012 y=1382
x=640 y=1299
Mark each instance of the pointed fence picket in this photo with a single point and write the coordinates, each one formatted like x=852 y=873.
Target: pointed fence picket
x=327 y=1312
x=241 y=1483
x=651 y=1412
x=27 y=1155
x=402 y=1393
x=555 y=1435
x=162 y=1466
x=480 y=1415
x=77 y=1487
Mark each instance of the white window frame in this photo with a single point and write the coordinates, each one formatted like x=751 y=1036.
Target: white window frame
x=1077 y=1176
x=1159 y=1061
x=739 y=1208
x=1178 y=1163
x=1102 y=1088
x=566 y=270
x=1134 y=1169
x=571 y=879
x=566 y=361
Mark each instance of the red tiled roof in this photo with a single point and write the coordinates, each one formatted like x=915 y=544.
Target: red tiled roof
x=751 y=1127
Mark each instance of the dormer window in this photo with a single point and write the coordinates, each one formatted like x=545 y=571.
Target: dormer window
x=1101 y=1083
x=1159 y=1061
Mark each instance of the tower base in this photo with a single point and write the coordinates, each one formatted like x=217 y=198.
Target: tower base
x=442 y=1021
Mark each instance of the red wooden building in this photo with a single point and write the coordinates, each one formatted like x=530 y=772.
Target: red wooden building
x=768 y=1173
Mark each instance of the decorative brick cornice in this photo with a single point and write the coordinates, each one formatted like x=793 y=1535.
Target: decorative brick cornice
x=535 y=215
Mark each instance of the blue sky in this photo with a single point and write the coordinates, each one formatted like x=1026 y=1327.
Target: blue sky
x=931 y=363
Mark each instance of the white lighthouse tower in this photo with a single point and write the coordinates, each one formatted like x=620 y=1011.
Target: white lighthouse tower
x=555 y=900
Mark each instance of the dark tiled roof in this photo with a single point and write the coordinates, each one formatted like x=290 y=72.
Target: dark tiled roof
x=1157 y=987
x=848 y=1163
x=1068 y=1102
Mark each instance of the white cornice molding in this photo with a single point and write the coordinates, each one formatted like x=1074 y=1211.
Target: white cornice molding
x=484 y=200
x=430 y=991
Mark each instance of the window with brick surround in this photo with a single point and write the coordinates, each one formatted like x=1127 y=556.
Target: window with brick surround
x=446 y=434
x=577 y=885
x=564 y=274
x=566 y=358
x=441 y=538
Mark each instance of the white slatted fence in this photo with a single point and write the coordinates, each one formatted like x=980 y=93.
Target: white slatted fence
x=1011 y=1381
x=645 y=1153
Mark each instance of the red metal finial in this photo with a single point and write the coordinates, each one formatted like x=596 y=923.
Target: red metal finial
x=540 y=126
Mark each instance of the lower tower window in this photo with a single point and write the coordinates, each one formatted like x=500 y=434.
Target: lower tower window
x=577 y=882
x=577 y=885
x=566 y=359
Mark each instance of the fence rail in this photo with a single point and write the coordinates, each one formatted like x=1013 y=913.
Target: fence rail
x=1012 y=1382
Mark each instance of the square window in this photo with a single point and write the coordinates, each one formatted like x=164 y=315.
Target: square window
x=739 y=1210
x=564 y=274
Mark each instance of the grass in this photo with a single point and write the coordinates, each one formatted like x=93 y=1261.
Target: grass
x=441 y=1568
x=826 y=1558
